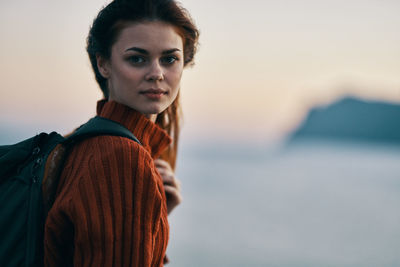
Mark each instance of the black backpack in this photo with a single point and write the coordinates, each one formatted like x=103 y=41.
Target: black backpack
x=23 y=205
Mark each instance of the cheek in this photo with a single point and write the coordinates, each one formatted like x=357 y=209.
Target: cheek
x=129 y=75
x=175 y=77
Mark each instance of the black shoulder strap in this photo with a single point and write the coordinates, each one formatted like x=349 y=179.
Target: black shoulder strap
x=100 y=126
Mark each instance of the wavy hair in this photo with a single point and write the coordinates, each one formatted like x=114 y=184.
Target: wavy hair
x=109 y=23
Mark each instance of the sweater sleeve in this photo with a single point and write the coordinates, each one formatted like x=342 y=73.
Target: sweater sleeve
x=118 y=209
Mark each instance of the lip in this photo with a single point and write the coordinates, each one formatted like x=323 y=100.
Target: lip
x=153 y=93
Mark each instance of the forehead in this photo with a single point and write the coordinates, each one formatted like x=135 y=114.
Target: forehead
x=152 y=36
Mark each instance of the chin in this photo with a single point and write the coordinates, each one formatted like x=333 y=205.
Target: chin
x=153 y=110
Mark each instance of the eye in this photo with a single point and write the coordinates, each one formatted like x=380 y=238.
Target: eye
x=169 y=60
x=136 y=59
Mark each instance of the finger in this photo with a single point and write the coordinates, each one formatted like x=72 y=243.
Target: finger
x=160 y=163
x=169 y=181
x=173 y=194
x=172 y=181
x=172 y=190
x=165 y=175
x=165 y=172
x=174 y=197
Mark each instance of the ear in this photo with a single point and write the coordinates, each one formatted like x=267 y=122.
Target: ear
x=103 y=66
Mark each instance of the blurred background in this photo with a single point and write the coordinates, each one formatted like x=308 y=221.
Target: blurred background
x=290 y=147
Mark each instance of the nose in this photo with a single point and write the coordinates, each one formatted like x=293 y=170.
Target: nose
x=155 y=72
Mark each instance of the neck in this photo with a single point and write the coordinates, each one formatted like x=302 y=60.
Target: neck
x=151 y=117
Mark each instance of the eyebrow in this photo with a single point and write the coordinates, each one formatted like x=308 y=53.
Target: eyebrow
x=145 y=52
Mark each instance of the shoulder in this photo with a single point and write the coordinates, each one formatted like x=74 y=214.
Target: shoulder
x=104 y=167
x=108 y=161
x=106 y=154
x=116 y=165
x=121 y=149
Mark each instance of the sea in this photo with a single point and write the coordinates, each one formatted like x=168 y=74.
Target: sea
x=299 y=205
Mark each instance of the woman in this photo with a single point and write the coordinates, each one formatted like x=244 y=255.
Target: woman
x=111 y=207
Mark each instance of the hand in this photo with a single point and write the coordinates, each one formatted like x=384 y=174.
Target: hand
x=171 y=184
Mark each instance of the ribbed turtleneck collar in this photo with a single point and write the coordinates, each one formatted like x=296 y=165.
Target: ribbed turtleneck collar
x=153 y=138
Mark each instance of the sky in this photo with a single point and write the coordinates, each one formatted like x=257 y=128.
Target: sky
x=260 y=67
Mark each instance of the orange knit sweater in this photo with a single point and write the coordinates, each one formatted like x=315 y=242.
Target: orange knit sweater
x=111 y=207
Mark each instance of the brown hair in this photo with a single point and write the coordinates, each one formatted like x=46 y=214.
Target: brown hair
x=109 y=23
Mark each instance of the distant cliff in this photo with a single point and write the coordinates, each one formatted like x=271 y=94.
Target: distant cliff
x=353 y=120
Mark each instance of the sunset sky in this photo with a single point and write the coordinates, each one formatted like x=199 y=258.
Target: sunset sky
x=261 y=64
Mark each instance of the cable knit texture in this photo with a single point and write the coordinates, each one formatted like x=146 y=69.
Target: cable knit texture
x=111 y=207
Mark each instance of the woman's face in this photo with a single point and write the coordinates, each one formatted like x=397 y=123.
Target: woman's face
x=145 y=67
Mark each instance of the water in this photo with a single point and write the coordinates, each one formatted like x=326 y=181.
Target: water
x=324 y=205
